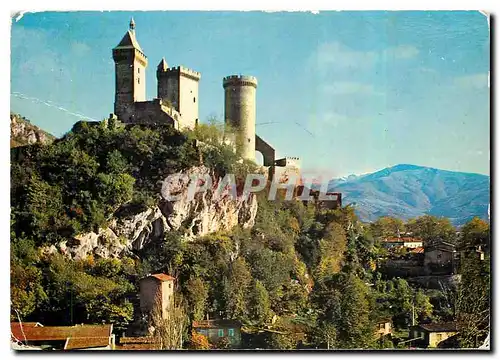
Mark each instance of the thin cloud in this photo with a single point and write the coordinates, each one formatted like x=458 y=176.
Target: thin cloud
x=349 y=87
x=79 y=48
x=337 y=55
x=475 y=81
x=51 y=105
x=401 y=52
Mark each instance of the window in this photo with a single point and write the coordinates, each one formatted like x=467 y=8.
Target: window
x=203 y=332
x=138 y=80
x=194 y=99
x=439 y=337
x=138 y=70
x=231 y=332
x=170 y=285
x=221 y=332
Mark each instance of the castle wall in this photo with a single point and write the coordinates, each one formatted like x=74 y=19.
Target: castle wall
x=282 y=174
x=139 y=80
x=130 y=81
x=168 y=88
x=124 y=94
x=179 y=87
x=150 y=112
x=240 y=111
x=188 y=100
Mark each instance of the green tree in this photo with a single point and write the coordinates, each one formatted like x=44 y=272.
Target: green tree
x=473 y=301
x=332 y=248
x=387 y=226
x=474 y=233
x=259 y=303
x=239 y=281
x=197 y=295
x=430 y=229
x=345 y=306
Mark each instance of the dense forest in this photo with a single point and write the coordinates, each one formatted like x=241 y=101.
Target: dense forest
x=298 y=270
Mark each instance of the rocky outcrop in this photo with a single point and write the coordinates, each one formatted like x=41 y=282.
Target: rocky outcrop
x=203 y=214
x=22 y=132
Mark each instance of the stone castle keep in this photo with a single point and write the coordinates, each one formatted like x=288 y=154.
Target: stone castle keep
x=176 y=102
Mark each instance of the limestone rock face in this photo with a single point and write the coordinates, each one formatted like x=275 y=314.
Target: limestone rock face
x=208 y=211
x=24 y=133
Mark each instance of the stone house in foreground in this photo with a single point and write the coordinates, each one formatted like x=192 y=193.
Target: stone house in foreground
x=430 y=335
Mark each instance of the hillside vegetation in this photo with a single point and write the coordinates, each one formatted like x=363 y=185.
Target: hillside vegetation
x=296 y=268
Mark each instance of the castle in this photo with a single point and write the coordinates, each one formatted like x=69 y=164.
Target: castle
x=176 y=103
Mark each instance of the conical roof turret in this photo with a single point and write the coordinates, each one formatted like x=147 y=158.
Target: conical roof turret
x=129 y=40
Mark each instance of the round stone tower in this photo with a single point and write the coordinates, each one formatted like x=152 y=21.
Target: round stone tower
x=239 y=112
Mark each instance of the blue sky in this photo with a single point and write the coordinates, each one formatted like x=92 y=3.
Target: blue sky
x=347 y=92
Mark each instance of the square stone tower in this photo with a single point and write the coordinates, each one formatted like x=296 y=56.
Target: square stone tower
x=156 y=289
x=130 y=74
x=178 y=87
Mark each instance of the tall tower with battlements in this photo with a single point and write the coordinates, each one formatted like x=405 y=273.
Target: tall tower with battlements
x=130 y=74
x=239 y=112
x=178 y=87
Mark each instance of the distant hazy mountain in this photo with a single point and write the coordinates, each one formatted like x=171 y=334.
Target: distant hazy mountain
x=406 y=191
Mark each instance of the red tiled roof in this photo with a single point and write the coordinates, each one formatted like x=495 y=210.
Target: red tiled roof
x=86 y=342
x=137 y=340
x=136 y=347
x=163 y=277
x=15 y=328
x=418 y=250
x=59 y=333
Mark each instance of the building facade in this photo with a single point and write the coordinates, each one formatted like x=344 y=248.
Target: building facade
x=156 y=290
x=430 y=335
x=215 y=330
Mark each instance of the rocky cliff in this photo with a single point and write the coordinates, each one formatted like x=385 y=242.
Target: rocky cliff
x=202 y=215
x=22 y=132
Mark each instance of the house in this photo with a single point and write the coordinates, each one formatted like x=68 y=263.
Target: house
x=77 y=337
x=441 y=256
x=215 y=330
x=417 y=250
x=477 y=250
x=156 y=289
x=430 y=335
x=406 y=242
x=383 y=327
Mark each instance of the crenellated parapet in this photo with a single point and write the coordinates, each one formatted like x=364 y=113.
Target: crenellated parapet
x=239 y=80
x=288 y=161
x=178 y=70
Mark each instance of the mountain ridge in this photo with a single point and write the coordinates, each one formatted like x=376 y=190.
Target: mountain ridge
x=406 y=191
